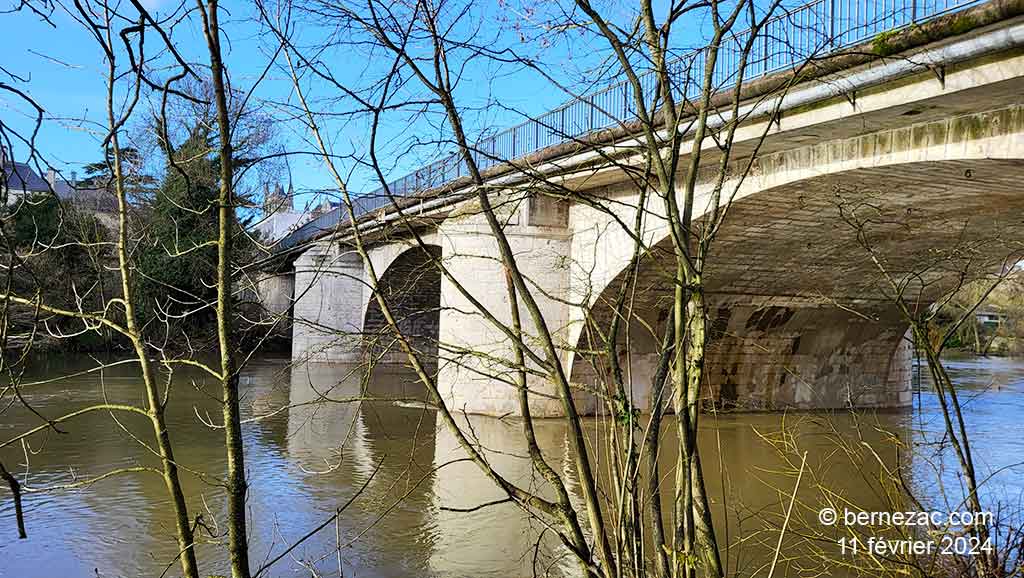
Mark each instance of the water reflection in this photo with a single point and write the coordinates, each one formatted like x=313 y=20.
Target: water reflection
x=313 y=438
x=337 y=444
x=498 y=540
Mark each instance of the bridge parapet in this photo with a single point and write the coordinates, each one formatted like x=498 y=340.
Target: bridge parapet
x=947 y=147
x=813 y=30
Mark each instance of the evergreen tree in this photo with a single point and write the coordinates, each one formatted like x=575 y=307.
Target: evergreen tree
x=178 y=259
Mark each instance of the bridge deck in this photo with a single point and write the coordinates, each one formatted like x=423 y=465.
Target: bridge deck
x=815 y=29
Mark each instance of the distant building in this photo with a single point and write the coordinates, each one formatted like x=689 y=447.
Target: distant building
x=82 y=194
x=22 y=181
x=279 y=215
x=989 y=316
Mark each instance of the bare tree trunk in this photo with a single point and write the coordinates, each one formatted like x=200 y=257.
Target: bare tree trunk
x=651 y=447
x=238 y=547
x=155 y=409
x=956 y=432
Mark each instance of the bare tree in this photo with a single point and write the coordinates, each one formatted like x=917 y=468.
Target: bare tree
x=920 y=287
x=132 y=80
x=678 y=110
x=102 y=21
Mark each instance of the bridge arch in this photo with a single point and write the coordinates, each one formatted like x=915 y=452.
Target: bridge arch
x=410 y=280
x=785 y=259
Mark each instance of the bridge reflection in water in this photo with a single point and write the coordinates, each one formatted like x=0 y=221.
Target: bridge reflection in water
x=424 y=476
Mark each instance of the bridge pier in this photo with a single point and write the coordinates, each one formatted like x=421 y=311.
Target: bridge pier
x=328 y=317
x=275 y=292
x=476 y=362
x=781 y=354
x=768 y=354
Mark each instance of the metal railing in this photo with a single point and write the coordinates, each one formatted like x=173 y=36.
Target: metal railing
x=785 y=41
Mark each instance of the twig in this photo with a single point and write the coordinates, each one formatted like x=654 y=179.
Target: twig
x=16 y=491
x=325 y=523
x=475 y=508
x=789 y=512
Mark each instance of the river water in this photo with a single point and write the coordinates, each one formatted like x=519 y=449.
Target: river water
x=311 y=450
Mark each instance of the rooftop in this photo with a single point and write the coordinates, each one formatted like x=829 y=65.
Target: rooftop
x=21 y=177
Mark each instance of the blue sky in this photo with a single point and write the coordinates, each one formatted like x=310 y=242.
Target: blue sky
x=64 y=68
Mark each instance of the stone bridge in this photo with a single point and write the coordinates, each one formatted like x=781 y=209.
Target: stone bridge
x=798 y=320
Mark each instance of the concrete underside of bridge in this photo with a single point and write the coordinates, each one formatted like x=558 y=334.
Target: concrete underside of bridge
x=799 y=313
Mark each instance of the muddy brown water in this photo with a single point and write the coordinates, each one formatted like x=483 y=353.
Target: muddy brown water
x=311 y=451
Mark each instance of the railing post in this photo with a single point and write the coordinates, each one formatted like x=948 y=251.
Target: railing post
x=832 y=23
x=767 y=48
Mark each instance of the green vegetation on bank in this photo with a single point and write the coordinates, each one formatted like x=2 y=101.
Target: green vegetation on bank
x=59 y=256
x=65 y=253
x=997 y=326
x=177 y=254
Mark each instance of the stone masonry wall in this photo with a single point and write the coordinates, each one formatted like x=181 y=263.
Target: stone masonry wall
x=483 y=382
x=768 y=354
x=412 y=287
x=274 y=292
x=781 y=356
x=328 y=305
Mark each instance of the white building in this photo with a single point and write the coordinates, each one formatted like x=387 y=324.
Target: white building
x=279 y=215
